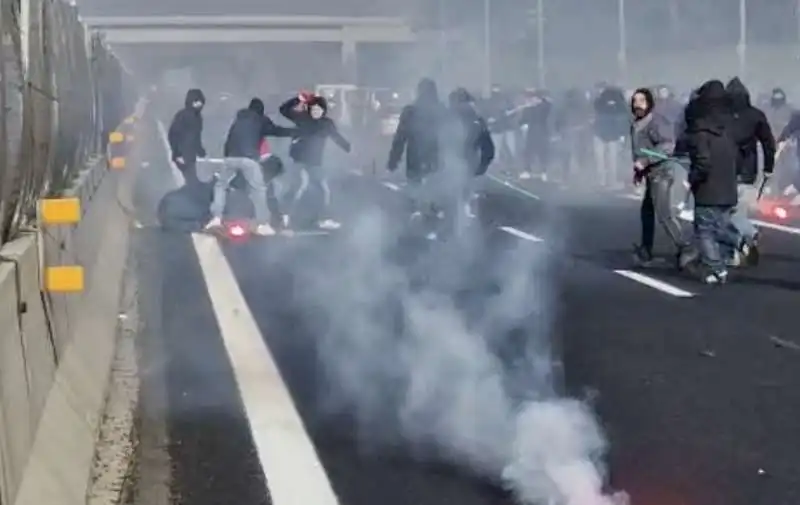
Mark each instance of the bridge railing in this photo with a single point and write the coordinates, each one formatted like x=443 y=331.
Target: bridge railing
x=62 y=92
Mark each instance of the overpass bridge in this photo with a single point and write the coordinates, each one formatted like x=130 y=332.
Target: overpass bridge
x=347 y=31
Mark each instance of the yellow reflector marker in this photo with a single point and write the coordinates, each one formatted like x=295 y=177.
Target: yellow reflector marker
x=118 y=163
x=54 y=211
x=116 y=137
x=66 y=279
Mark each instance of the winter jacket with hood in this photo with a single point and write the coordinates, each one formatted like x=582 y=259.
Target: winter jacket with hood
x=711 y=147
x=750 y=128
x=185 y=133
x=418 y=132
x=467 y=135
x=652 y=132
x=612 y=119
x=312 y=134
x=248 y=130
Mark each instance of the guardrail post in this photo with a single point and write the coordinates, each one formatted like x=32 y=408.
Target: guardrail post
x=59 y=212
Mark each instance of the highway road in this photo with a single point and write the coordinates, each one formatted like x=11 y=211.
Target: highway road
x=314 y=369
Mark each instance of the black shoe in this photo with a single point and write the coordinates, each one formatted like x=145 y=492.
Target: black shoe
x=642 y=257
x=750 y=251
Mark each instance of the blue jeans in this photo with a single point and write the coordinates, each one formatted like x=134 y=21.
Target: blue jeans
x=740 y=220
x=716 y=238
x=251 y=170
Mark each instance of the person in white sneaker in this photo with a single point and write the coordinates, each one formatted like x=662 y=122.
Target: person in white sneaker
x=310 y=115
x=242 y=154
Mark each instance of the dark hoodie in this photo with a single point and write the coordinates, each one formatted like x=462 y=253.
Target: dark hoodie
x=185 y=133
x=468 y=134
x=249 y=128
x=750 y=128
x=711 y=148
x=612 y=118
x=312 y=134
x=418 y=132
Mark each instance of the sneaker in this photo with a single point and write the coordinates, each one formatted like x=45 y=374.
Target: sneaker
x=264 y=230
x=642 y=256
x=735 y=260
x=214 y=224
x=285 y=220
x=716 y=278
x=525 y=176
x=329 y=224
x=751 y=252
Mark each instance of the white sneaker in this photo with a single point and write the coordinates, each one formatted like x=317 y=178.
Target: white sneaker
x=329 y=224
x=285 y=220
x=525 y=176
x=469 y=211
x=790 y=190
x=716 y=278
x=215 y=223
x=264 y=230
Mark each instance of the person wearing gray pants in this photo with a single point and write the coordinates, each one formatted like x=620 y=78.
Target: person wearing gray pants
x=242 y=155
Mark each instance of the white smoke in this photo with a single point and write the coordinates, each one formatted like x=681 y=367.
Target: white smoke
x=469 y=382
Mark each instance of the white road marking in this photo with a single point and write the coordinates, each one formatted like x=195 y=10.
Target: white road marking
x=512 y=186
x=392 y=186
x=520 y=234
x=655 y=283
x=288 y=458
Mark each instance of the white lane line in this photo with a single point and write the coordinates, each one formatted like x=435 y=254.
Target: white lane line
x=520 y=234
x=288 y=458
x=392 y=186
x=512 y=186
x=655 y=283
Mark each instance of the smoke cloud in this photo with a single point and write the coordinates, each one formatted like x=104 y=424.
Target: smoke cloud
x=428 y=348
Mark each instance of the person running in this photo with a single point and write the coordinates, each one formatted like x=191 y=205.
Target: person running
x=652 y=142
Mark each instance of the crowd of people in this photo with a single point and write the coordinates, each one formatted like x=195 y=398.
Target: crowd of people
x=649 y=138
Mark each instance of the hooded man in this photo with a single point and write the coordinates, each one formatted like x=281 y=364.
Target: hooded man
x=713 y=154
x=652 y=143
x=242 y=153
x=468 y=147
x=535 y=117
x=309 y=113
x=611 y=125
x=750 y=128
x=185 y=135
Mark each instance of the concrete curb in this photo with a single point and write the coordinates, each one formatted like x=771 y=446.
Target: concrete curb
x=56 y=349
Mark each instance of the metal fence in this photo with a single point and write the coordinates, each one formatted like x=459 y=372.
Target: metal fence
x=62 y=92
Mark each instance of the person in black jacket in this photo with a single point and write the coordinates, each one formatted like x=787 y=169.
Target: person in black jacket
x=309 y=113
x=418 y=136
x=611 y=125
x=469 y=150
x=713 y=155
x=535 y=116
x=185 y=135
x=751 y=128
x=242 y=155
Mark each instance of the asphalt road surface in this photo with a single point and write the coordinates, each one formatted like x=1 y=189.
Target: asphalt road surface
x=696 y=387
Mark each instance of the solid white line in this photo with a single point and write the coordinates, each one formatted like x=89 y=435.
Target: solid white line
x=654 y=283
x=392 y=186
x=292 y=468
x=514 y=187
x=520 y=234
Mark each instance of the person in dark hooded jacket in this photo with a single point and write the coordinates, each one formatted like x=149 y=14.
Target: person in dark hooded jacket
x=309 y=113
x=468 y=151
x=185 y=135
x=711 y=146
x=242 y=153
x=751 y=128
x=612 y=121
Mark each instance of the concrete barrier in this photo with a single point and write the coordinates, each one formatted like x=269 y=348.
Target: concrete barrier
x=60 y=292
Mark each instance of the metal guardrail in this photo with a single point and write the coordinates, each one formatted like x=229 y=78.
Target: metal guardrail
x=63 y=91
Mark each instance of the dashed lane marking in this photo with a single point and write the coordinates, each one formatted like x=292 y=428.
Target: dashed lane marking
x=655 y=283
x=520 y=234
